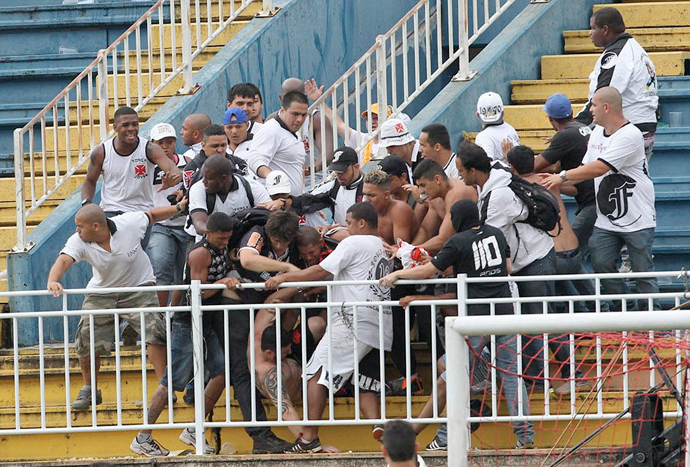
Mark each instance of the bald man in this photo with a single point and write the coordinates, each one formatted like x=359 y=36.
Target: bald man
x=113 y=248
x=192 y=133
x=615 y=159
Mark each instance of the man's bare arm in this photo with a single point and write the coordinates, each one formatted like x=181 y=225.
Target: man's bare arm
x=403 y=223
x=429 y=226
x=88 y=188
x=57 y=272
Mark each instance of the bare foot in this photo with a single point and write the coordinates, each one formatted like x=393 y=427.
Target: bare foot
x=329 y=449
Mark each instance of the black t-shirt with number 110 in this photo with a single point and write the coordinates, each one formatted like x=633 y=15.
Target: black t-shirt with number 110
x=480 y=252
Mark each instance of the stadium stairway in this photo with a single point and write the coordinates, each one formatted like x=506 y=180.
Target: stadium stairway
x=48 y=73
x=661 y=28
x=490 y=436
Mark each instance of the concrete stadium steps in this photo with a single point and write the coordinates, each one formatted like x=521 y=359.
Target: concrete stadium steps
x=649 y=14
x=658 y=39
x=215 y=10
x=580 y=65
x=537 y=91
x=221 y=39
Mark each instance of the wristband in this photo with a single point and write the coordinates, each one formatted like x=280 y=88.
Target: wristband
x=177 y=206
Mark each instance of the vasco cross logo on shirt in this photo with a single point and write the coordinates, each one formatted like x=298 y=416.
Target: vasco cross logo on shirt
x=139 y=169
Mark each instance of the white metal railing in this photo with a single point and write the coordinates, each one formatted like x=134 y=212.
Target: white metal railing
x=458 y=383
x=141 y=64
x=674 y=323
x=402 y=63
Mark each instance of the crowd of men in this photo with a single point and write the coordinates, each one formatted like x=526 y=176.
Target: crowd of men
x=166 y=218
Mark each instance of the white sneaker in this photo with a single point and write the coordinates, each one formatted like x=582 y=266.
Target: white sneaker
x=189 y=437
x=148 y=448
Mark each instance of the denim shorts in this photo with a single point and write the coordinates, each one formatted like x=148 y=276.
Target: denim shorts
x=182 y=363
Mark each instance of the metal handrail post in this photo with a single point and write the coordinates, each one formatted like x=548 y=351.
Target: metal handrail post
x=186 y=49
x=381 y=84
x=19 y=189
x=103 y=93
x=198 y=346
x=463 y=43
x=458 y=372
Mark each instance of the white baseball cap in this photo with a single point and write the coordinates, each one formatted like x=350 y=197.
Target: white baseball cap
x=490 y=107
x=277 y=182
x=394 y=132
x=162 y=130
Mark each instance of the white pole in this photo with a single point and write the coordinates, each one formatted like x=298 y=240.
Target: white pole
x=381 y=85
x=19 y=189
x=463 y=43
x=103 y=93
x=187 y=78
x=198 y=346
x=458 y=393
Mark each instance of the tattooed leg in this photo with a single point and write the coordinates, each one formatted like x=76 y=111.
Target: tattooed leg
x=269 y=387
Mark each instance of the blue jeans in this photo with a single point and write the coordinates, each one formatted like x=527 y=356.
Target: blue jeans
x=182 y=356
x=167 y=249
x=570 y=262
x=582 y=225
x=506 y=364
x=606 y=247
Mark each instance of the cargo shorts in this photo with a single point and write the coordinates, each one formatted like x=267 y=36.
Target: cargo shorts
x=104 y=325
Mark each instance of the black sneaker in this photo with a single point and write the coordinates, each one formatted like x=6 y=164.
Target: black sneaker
x=301 y=446
x=270 y=445
x=83 y=400
x=188 y=397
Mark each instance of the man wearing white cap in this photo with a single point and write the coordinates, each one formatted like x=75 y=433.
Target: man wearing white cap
x=278 y=185
x=169 y=241
x=494 y=129
x=398 y=141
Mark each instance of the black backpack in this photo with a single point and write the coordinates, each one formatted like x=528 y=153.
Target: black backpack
x=246 y=219
x=542 y=207
x=211 y=198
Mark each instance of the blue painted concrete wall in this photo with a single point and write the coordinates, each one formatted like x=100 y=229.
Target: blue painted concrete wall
x=319 y=38
x=515 y=54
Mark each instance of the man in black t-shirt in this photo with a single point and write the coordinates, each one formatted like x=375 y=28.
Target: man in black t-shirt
x=568 y=147
x=480 y=251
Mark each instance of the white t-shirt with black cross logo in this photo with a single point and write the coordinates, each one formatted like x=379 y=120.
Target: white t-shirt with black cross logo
x=624 y=194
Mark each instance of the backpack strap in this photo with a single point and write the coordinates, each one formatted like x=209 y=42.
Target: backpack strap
x=247 y=189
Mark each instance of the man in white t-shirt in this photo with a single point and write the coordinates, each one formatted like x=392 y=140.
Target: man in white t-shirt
x=494 y=129
x=245 y=97
x=113 y=248
x=624 y=191
x=434 y=143
x=278 y=146
x=359 y=257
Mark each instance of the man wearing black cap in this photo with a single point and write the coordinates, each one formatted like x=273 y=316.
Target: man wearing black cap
x=568 y=147
x=337 y=194
x=481 y=251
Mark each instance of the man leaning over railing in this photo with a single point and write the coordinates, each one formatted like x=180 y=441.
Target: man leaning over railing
x=361 y=256
x=479 y=251
x=113 y=248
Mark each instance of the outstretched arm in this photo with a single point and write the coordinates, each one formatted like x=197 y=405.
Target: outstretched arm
x=57 y=272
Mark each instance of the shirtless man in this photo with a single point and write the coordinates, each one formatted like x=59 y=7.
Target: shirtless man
x=396 y=168
x=396 y=218
x=441 y=193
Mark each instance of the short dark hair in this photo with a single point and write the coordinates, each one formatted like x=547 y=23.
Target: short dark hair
x=428 y=169
x=124 y=111
x=243 y=90
x=437 y=133
x=294 y=96
x=283 y=225
x=268 y=338
x=218 y=164
x=522 y=159
x=308 y=235
x=610 y=17
x=400 y=439
x=366 y=212
x=257 y=91
x=213 y=130
x=220 y=222
x=473 y=156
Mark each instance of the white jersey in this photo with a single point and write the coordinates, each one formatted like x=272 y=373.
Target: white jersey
x=451 y=169
x=277 y=148
x=626 y=66
x=160 y=198
x=192 y=152
x=361 y=257
x=127 y=179
x=490 y=139
x=254 y=127
x=126 y=264
x=624 y=194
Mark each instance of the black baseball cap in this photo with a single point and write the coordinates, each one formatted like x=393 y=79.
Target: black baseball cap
x=393 y=165
x=343 y=158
